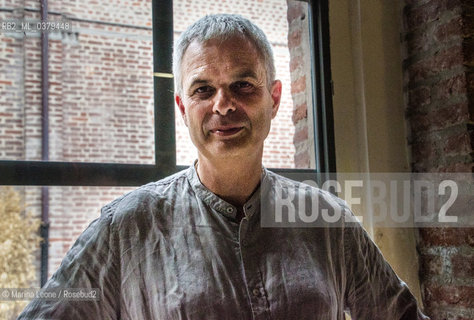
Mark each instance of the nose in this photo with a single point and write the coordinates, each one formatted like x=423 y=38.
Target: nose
x=223 y=103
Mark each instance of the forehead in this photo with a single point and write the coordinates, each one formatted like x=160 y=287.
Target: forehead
x=220 y=57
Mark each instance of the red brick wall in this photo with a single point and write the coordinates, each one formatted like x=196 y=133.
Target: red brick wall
x=101 y=98
x=439 y=83
x=300 y=69
x=100 y=104
x=11 y=99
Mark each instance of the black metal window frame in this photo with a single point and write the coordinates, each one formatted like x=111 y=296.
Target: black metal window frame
x=53 y=173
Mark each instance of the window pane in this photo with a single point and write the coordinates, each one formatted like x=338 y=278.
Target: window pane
x=281 y=147
x=100 y=83
x=71 y=210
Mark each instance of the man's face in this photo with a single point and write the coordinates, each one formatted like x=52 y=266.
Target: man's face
x=225 y=100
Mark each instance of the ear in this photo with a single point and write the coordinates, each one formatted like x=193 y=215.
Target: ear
x=276 y=96
x=179 y=103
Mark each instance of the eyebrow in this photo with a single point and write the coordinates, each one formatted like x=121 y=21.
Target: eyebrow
x=248 y=73
x=198 y=81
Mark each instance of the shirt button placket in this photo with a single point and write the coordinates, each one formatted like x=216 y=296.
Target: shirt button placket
x=242 y=232
x=252 y=275
x=256 y=292
x=259 y=302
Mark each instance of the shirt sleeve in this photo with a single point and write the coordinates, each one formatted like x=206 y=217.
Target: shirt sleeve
x=373 y=289
x=92 y=262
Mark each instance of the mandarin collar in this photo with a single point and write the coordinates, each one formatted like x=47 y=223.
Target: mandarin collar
x=220 y=205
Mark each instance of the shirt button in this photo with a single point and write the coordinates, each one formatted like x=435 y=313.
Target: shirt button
x=230 y=210
x=245 y=243
x=256 y=292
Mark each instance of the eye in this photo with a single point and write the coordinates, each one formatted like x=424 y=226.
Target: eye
x=204 y=91
x=243 y=87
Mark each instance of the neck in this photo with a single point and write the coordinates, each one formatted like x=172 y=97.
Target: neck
x=234 y=181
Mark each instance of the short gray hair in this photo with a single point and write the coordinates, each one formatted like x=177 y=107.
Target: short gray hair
x=222 y=27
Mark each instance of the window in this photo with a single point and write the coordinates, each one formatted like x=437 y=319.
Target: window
x=86 y=119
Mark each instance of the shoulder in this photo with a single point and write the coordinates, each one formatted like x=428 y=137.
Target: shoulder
x=308 y=188
x=147 y=199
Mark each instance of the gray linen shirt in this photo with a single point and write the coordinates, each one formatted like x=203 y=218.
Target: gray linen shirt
x=174 y=250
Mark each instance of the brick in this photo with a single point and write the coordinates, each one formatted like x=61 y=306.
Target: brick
x=457 y=167
x=458 y=144
x=439 y=119
x=419 y=97
x=294 y=38
x=447 y=236
x=296 y=62
x=296 y=10
x=430 y=265
x=468 y=17
x=431 y=11
x=298 y=85
x=436 y=35
x=450 y=30
x=435 y=65
x=443 y=313
x=460 y=296
x=422 y=151
x=300 y=113
x=463 y=266
x=300 y=135
x=302 y=160
x=470 y=82
x=446 y=89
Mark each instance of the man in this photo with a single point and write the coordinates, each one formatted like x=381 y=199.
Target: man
x=191 y=245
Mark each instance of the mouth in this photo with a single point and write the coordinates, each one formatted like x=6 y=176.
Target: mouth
x=226 y=131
